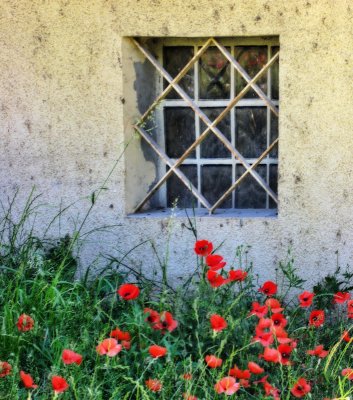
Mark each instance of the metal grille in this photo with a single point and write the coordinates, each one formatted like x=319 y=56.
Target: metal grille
x=242 y=167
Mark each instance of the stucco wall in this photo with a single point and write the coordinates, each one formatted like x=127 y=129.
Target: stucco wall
x=63 y=125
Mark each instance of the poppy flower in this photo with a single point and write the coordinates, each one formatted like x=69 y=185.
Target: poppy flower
x=227 y=385
x=25 y=323
x=271 y=355
x=59 y=384
x=271 y=390
x=306 y=299
x=350 y=309
x=166 y=322
x=237 y=275
x=203 y=248
x=109 y=347
x=300 y=388
x=5 y=369
x=70 y=357
x=218 y=323
x=279 y=320
x=285 y=350
x=215 y=262
x=187 y=376
x=318 y=351
x=126 y=344
x=281 y=335
x=157 y=351
x=128 y=291
x=255 y=368
x=264 y=338
x=346 y=337
x=258 y=310
x=153 y=316
x=341 y=297
x=213 y=361
x=269 y=288
x=215 y=279
x=239 y=373
x=274 y=305
x=317 y=318
x=120 y=335
x=27 y=381
x=348 y=372
x=154 y=385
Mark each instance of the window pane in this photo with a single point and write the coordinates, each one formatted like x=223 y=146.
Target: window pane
x=273 y=183
x=179 y=130
x=178 y=193
x=252 y=59
x=212 y=147
x=274 y=135
x=275 y=75
x=215 y=180
x=251 y=131
x=249 y=194
x=175 y=58
x=214 y=77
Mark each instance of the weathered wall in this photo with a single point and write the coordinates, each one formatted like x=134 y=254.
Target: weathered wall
x=62 y=123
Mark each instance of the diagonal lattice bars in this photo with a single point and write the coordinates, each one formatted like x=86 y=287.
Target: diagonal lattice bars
x=210 y=126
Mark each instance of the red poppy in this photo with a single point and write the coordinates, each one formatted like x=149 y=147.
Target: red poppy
x=27 y=381
x=59 y=384
x=346 y=337
x=120 y=335
x=285 y=351
x=157 y=351
x=227 y=385
x=271 y=390
x=237 y=275
x=281 y=335
x=25 y=323
x=203 y=248
x=70 y=357
x=109 y=347
x=265 y=338
x=128 y=291
x=239 y=373
x=348 y=372
x=5 y=369
x=318 y=351
x=350 y=309
x=341 y=297
x=274 y=305
x=279 y=320
x=271 y=355
x=213 y=361
x=153 y=316
x=187 y=376
x=215 y=279
x=245 y=383
x=255 y=368
x=215 y=262
x=306 y=299
x=258 y=310
x=317 y=318
x=269 y=288
x=301 y=388
x=166 y=322
x=218 y=323
x=126 y=344
x=154 y=385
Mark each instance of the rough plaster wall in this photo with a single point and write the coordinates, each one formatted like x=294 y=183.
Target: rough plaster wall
x=62 y=123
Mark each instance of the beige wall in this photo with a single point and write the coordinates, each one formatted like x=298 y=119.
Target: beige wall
x=62 y=122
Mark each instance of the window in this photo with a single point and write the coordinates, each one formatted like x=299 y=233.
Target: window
x=215 y=124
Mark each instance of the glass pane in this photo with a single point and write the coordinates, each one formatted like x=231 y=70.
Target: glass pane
x=273 y=182
x=175 y=58
x=179 y=130
x=252 y=59
x=249 y=194
x=275 y=75
x=215 y=180
x=214 y=75
x=212 y=147
x=274 y=135
x=177 y=193
x=251 y=131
